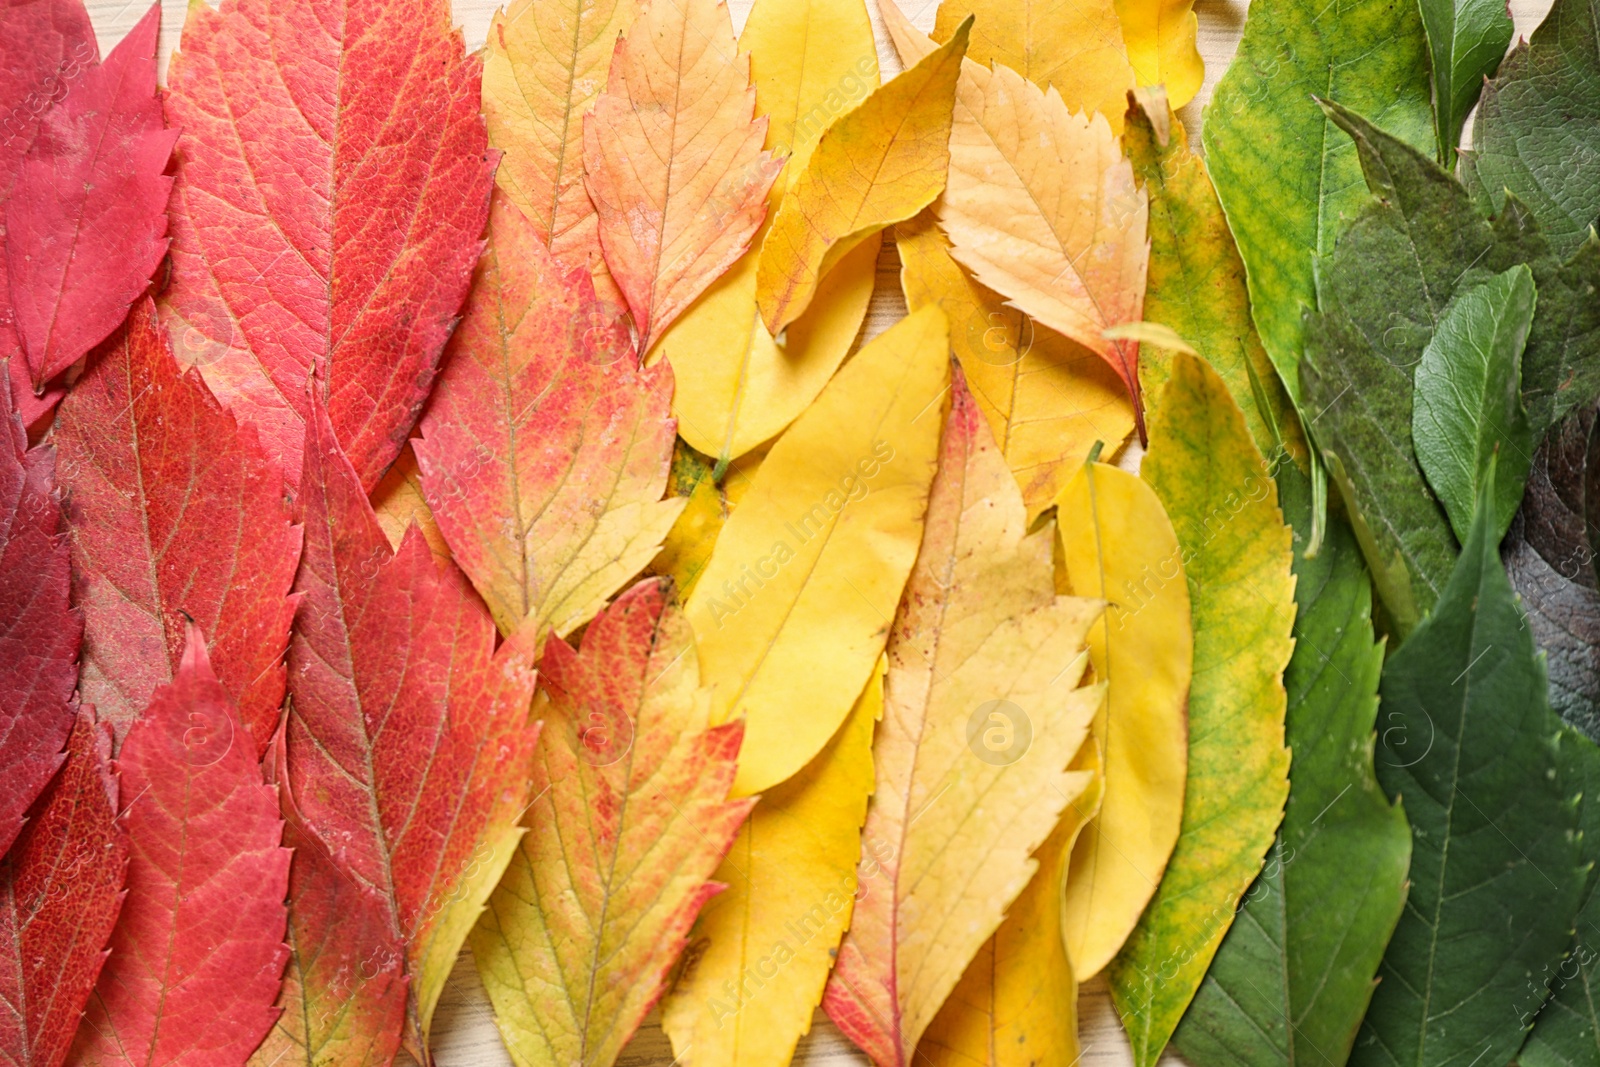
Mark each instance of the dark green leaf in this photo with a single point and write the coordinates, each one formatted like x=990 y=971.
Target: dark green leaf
x=1467 y=39
x=1469 y=744
x=1469 y=400
x=1293 y=977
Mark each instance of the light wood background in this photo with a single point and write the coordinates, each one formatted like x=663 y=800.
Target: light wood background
x=464 y=1031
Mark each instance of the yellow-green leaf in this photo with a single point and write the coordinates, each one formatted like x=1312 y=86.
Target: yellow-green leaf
x=1118 y=545
x=1162 y=46
x=761 y=950
x=875 y=166
x=1237 y=554
x=1047 y=399
x=794 y=607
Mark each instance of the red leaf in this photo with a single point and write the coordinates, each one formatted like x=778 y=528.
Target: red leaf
x=45 y=47
x=60 y=891
x=545 y=448
x=333 y=182
x=39 y=632
x=409 y=739
x=198 y=951
x=87 y=220
x=175 y=512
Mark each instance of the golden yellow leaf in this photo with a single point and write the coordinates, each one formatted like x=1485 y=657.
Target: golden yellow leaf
x=810 y=61
x=761 y=950
x=1160 y=35
x=545 y=62
x=1073 y=46
x=1047 y=399
x=1017 y=1005
x=673 y=158
x=1118 y=544
x=1155 y=334
x=875 y=166
x=794 y=607
x=399 y=502
x=982 y=715
x=1042 y=207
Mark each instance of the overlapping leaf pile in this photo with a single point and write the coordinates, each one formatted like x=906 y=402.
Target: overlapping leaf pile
x=452 y=500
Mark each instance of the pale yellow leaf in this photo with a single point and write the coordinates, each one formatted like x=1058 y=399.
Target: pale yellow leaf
x=1162 y=45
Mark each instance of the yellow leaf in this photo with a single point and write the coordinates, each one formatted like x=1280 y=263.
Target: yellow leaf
x=810 y=60
x=1155 y=334
x=1017 y=1005
x=982 y=715
x=687 y=546
x=1042 y=207
x=1118 y=544
x=1160 y=35
x=875 y=166
x=1237 y=551
x=794 y=607
x=545 y=62
x=673 y=158
x=1074 y=46
x=1047 y=399
x=399 y=502
x=761 y=951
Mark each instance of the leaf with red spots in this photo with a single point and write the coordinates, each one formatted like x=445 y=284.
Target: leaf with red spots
x=39 y=632
x=629 y=820
x=198 y=952
x=545 y=449
x=60 y=891
x=332 y=185
x=407 y=751
x=86 y=223
x=176 y=513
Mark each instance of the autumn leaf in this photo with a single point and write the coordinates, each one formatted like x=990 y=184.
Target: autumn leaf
x=1117 y=544
x=392 y=668
x=399 y=504
x=60 y=891
x=1237 y=557
x=1033 y=189
x=673 y=154
x=1047 y=399
x=333 y=224
x=688 y=545
x=792 y=610
x=176 y=514
x=1162 y=45
x=629 y=819
x=879 y=163
x=197 y=954
x=760 y=953
x=544 y=451
x=39 y=631
x=545 y=64
x=1017 y=1004
x=1075 y=48
x=86 y=220
x=982 y=714
x=810 y=60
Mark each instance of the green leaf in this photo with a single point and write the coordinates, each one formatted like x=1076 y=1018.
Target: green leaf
x=1467 y=39
x=1469 y=400
x=1537 y=132
x=1236 y=556
x=1284 y=175
x=1470 y=745
x=1294 y=975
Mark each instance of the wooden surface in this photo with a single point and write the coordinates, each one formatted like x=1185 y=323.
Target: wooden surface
x=464 y=1031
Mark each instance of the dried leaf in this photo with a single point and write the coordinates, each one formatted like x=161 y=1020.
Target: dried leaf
x=688 y=545
x=332 y=224
x=545 y=450
x=760 y=953
x=197 y=955
x=878 y=164
x=1162 y=45
x=1118 y=545
x=793 y=609
x=60 y=891
x=982 y=714
x=673 y=154
x=39 y=631
x=392 y=672
x=399 y=503
x=177 y=514
x=629 y=819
